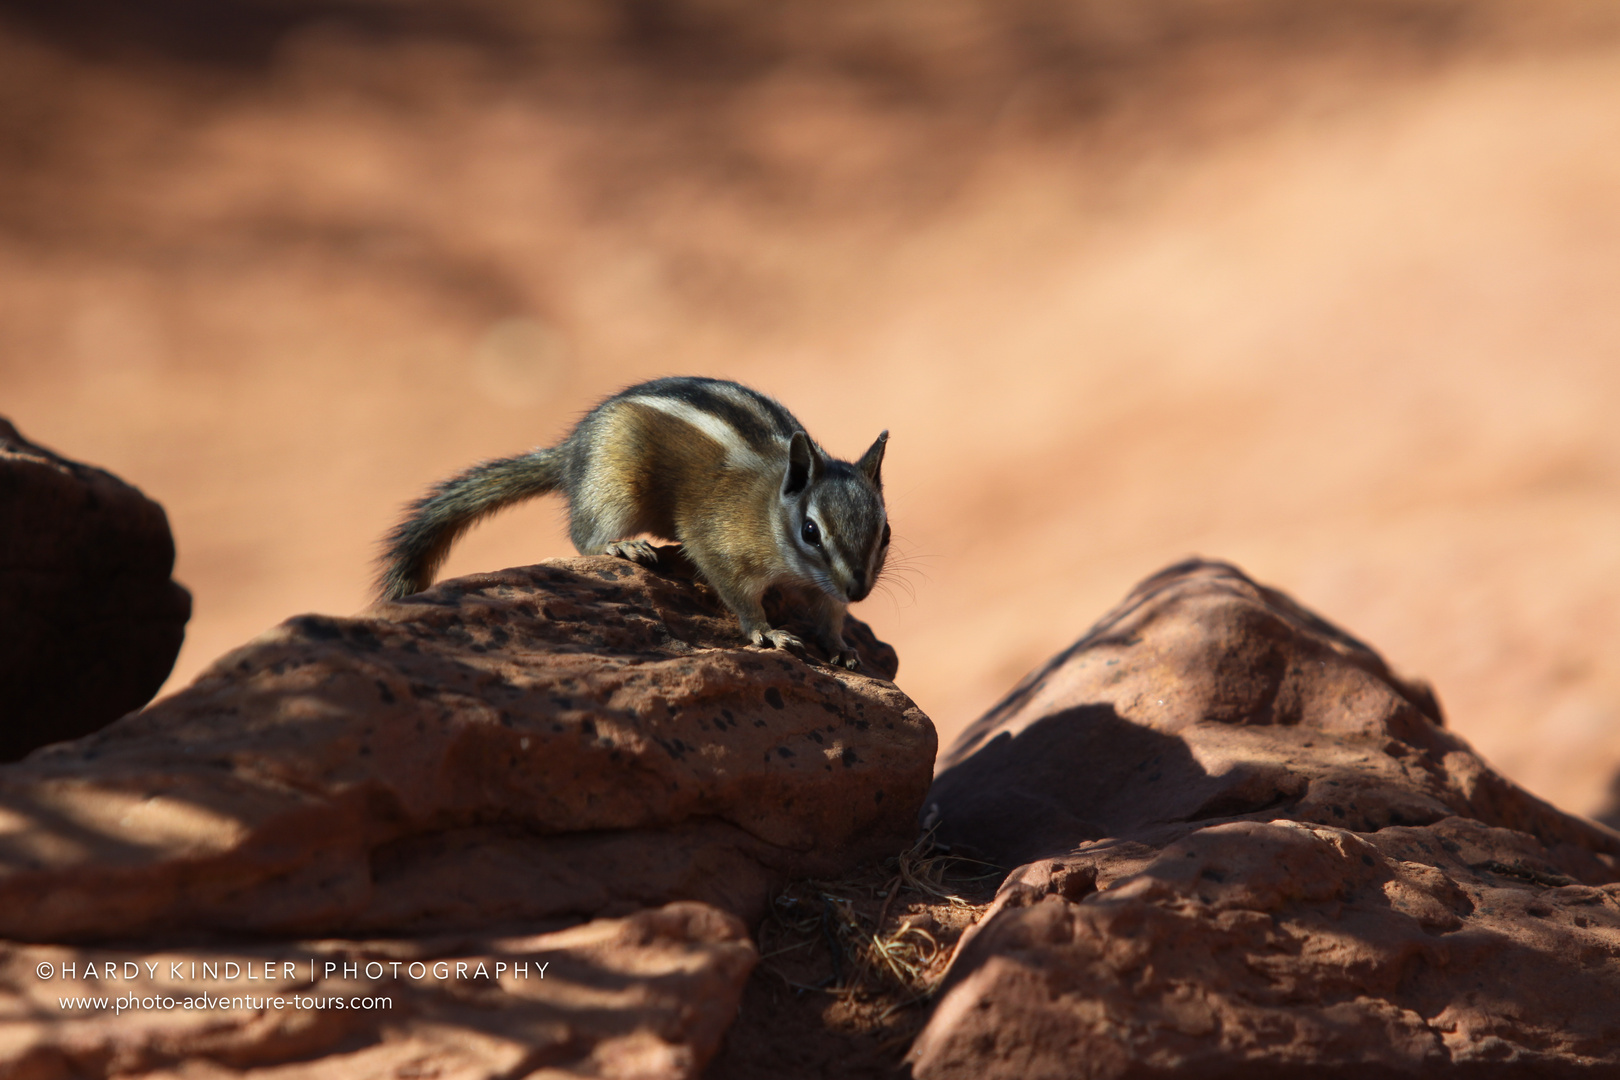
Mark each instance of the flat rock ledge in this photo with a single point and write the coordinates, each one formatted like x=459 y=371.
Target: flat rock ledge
x=580 y=738
x=90 y=621
x=1243 y=847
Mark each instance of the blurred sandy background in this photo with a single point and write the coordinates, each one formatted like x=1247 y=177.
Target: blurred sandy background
x=1329 y=290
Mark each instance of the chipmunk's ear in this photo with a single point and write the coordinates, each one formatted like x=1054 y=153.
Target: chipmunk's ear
x=804 y=465
x=871 y=462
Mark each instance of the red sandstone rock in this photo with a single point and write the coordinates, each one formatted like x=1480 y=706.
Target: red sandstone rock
x=647 y=997
x=90 y=622
x=1251 y=851
x=566 y=740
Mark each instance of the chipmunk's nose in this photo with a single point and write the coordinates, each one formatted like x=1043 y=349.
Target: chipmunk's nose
x=858 y=588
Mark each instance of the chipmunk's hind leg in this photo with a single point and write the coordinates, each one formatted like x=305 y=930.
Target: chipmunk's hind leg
x=603 y=518
x=608 y=526
x=613 y=493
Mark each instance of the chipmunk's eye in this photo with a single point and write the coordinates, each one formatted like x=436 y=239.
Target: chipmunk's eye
x=885 y=534
x=811 y=534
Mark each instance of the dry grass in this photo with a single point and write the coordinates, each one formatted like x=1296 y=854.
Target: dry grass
x=848 y=966
x=878 y=942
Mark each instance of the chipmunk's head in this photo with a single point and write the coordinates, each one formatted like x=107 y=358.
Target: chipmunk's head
x=837 y=529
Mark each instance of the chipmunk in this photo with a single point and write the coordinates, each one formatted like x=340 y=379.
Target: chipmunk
x=724 y=470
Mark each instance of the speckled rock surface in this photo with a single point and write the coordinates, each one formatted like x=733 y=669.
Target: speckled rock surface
x=1249 y=850
x=570 y=739
x=646 y=997
x=90 y=622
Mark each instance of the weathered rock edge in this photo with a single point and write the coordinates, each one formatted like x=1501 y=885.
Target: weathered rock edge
x=90 y=621
x=577 y=738
x=1249 y=850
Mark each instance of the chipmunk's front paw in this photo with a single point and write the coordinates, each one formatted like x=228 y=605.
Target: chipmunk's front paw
x=845 y=658
x=637 y=551
x=778 y=639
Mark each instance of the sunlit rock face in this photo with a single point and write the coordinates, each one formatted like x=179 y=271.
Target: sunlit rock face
x=577 y=738
x=1242 y=846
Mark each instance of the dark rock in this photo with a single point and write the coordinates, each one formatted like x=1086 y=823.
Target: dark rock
x=90 y=622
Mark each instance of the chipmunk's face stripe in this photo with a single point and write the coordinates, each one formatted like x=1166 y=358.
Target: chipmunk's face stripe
x=850 y=520
x=806 y=563
x=738 y=451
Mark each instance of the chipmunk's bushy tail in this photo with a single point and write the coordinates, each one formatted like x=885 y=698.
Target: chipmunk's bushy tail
x=418 y=545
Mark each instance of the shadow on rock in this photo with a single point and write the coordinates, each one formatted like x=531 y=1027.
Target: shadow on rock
x=1021 y=796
